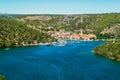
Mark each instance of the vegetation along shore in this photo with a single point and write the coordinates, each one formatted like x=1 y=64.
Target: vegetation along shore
x=22 y=30
x=110 y=49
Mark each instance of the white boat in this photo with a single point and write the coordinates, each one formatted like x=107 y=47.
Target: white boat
x=7 y=48
x=45 y=44
x=61 y=42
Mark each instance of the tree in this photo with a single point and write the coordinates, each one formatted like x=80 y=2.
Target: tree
x=2 y=77
x=1 y=43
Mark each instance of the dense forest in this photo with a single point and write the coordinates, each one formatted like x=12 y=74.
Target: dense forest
x=110 y=49
x=16 y=33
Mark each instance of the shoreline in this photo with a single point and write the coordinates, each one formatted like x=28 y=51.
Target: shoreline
x=49 y=43
x=109 y=49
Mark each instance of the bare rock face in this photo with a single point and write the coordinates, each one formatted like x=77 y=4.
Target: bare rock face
x=114 y=29
x=41 y=18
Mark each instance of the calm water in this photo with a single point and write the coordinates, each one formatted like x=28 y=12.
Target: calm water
x=75 y=61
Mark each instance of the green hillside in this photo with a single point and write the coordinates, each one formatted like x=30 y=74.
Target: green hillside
x=15 y=33
x=110 y=49
x=91 y=23
x=31 y=29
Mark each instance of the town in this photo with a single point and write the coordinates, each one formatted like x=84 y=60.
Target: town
x=72 y=35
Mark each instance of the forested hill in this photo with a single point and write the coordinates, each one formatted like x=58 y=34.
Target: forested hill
x=15 y=33
x=91 y=23
x=110 y=49
x=32 y=29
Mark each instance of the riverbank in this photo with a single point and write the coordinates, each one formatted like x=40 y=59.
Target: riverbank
x=58 y=42
x=110 y=49
x=28 y=45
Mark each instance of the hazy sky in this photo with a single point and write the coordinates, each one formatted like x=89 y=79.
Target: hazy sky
x=59 y=6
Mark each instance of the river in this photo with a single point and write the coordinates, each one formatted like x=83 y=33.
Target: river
x=75 y=61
